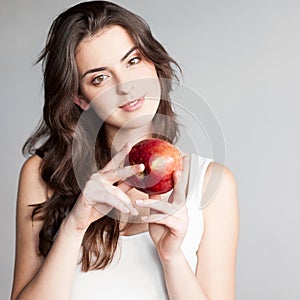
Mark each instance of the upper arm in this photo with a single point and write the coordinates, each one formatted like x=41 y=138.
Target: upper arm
x=31 y=190
x=217 y=251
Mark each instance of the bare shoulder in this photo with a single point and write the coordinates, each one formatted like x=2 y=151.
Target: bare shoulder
x=218 y=170
x=219 y=189
x=32 y=188
x=30 y=171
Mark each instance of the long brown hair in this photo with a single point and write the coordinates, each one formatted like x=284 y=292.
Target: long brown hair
x=54 y=135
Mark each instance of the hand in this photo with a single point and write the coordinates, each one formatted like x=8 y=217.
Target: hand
x=101 y=193
x=168 y=223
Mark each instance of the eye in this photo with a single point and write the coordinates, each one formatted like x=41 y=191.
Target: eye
x=99 y=79
x=135 y=60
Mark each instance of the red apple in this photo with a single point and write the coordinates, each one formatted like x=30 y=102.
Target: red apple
x=161 y=159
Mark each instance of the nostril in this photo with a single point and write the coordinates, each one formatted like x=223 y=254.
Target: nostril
x=121 y=92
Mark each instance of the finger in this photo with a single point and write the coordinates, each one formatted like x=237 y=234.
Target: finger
x=176 y=228
x=103 y=206
x=109 y=195
x=115 y=175
x=119 y=194
x=180 y=181
x=116 y=161
x=113 y=203
x=159 y=206
x=124 y=186
x=116 y=201
x=184 y=174
x=159 y=219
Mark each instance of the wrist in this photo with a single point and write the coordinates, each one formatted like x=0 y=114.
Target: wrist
x=79 y=217
x=173 y=258
x=71 y=227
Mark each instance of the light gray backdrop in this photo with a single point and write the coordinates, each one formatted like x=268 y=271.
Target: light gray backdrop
x=243 y=57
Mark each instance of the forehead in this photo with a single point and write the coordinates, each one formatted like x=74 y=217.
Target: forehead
x=107 y=46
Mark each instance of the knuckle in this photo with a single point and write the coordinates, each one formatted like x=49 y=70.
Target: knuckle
x=95 y=176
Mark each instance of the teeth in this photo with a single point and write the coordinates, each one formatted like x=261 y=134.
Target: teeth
x=133 y=103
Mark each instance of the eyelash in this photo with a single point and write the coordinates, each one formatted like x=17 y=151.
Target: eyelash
x=102 y=77
x=132 y=59
x=94 y=81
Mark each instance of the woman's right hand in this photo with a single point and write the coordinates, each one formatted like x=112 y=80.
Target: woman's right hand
x=101 y=193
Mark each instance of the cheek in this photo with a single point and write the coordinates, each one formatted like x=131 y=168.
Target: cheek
x=152 y=88
x=105 y=104
x=87 y=93
x=153 y=83
x=149 y=81
x=98 y=100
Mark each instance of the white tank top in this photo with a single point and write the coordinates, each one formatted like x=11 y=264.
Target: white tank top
x=135 y=272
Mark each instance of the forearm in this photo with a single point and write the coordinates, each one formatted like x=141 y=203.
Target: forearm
x=180 y=280
x=54 y=279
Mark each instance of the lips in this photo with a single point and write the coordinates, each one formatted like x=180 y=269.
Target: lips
x=133 y=105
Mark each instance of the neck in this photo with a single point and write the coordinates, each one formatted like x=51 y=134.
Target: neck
x=119 y=137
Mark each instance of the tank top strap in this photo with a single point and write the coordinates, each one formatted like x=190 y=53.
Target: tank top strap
x=199 y=165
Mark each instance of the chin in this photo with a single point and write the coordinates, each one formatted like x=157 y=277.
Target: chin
x=138 y=122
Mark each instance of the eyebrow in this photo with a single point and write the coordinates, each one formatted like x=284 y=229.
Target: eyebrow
x=104 y=68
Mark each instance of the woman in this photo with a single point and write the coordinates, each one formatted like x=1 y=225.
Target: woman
x=82 y=231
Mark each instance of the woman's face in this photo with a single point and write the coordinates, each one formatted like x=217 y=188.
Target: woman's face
x=116 y=80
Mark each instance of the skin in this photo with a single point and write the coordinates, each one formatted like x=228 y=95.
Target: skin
x=51 y=277
x=119 y=82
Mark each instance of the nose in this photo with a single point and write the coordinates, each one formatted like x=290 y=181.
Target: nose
x=124 y=86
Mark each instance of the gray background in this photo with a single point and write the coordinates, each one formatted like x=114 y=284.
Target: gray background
x=243 y=57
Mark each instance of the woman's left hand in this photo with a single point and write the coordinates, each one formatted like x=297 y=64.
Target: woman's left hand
x=168 y=220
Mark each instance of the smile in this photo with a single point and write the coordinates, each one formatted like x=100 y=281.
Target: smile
x=133 y=105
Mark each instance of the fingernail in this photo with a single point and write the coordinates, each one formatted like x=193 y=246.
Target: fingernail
x=140 y=167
